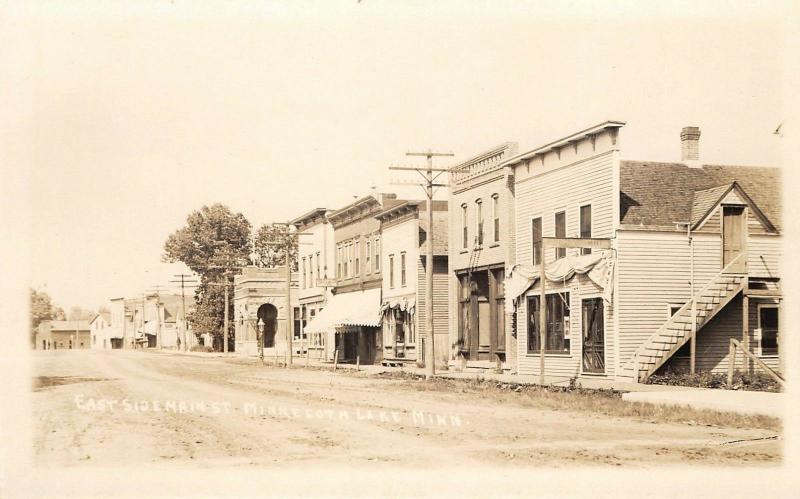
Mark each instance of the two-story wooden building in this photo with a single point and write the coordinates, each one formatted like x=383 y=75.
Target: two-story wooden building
x=404 y=235
x=316 y=252
x=481 y=251
x=688 y=243
x=352 y=315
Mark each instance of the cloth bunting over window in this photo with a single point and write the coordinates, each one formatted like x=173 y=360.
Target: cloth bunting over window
x=405 y=303
x=598 y=266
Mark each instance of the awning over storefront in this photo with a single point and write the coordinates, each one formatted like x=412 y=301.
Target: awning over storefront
x=359 y=308
x=402 y=303
x=598 y=266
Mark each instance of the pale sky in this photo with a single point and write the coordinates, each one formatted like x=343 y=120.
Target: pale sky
x=137 y=113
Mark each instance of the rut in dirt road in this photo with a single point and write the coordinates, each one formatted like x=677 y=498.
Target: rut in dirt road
x=173 y=408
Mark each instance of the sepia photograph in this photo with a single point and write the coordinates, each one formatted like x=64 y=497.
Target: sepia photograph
x=374 y=248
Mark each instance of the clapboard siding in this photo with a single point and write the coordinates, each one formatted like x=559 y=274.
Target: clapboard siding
x=764 y=255
x=440 y=307
x=754 y=224
x=713 y=224
x=653 y=270
x=567 y=188
x=713 y=341
x=587 y=182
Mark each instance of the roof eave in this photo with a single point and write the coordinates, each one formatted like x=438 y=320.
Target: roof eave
x=563 y=141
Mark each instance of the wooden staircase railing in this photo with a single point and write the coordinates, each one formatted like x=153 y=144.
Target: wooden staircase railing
x=664 y=343
x=735 y=346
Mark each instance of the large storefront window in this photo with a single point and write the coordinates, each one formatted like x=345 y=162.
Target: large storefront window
x=557 y=331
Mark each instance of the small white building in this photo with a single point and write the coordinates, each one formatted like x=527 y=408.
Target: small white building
x=100 y=328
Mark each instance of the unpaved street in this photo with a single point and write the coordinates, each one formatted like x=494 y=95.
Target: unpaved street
x=131 y=407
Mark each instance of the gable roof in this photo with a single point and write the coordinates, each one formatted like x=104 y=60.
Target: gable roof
x=660 y=194
x=105 y=315
x=704 y=201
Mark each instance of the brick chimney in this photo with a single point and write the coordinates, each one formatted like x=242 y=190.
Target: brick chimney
x=690 y=143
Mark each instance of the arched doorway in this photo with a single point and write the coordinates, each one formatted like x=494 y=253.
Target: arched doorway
x=269 y=315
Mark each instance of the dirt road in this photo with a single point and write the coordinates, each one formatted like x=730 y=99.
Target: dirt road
x=128 y=408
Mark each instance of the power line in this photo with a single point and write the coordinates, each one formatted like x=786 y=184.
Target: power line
x=428 y=183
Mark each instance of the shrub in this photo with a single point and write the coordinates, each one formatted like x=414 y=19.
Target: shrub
x=201 y=348
x=758 y=381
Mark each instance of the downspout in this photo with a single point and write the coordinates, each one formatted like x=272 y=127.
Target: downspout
x=693 y=345
x=693 y=337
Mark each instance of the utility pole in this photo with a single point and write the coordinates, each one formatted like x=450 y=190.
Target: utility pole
x=157 y=291
x=225 y=332
x=183 y=281
x=428 y=185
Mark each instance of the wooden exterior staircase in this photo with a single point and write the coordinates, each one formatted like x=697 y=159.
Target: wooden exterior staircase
x=677 y=331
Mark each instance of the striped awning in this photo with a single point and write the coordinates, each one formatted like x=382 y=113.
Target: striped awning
x=359 y=308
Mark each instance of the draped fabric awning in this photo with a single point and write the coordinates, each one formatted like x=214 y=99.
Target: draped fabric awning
x=359 y=308
x=402 y=303
x=598 y=266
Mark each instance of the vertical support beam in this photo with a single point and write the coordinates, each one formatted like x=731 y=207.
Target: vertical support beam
x=542 y=312
x=225 y=326
x=693 y=339
x=746 y=326
x=289 y=310
x=731 y=361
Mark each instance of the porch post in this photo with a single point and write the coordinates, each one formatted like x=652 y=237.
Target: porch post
x=746 y=326
x=542 y=312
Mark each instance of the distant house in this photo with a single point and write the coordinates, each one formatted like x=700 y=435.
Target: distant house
x=55 y=335
x=142 y=322
x=100 y=327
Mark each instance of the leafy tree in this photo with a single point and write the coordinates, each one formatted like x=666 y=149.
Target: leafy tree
x=42 y=309
x=269 y=246
x=77 y=313
x=214 y=244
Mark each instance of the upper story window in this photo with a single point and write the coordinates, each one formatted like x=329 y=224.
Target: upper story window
x=464 y=227
x=536 y=240
x=304 y=272
x=561 y=231
x=345 y=259
x=377 y=253
x=356 y=258
x=496 y=217
x=339 y=261
x=391 y=271
x=479 y=222
x=317 y=274
x=586 y=226
x=403 y=268
x=368 y=257
x=350 y=255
